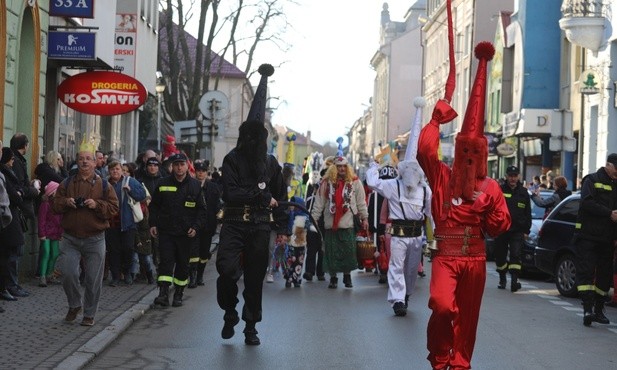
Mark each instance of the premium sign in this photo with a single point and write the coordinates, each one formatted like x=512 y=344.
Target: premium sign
x=102 y=93
x=71 y=45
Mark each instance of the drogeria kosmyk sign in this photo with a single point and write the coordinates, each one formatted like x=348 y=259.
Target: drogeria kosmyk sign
x=102 y=93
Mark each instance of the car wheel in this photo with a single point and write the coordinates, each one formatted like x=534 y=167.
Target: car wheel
x=565 y=276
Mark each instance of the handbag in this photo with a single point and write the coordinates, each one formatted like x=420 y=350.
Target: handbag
x=365 y=248
x=138 y=214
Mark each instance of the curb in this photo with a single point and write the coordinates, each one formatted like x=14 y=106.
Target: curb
x=102 y=340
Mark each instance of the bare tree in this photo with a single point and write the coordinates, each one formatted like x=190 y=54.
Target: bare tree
x=189 y=62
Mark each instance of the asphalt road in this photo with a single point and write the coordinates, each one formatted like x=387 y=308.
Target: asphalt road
x=313 y=327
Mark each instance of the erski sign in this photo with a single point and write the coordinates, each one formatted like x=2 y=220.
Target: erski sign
x=102 y=93
x=71 y=45
x=72 y=8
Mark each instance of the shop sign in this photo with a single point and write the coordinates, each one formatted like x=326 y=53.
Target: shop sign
x=589 y=82
x=71 y=45
x=102 y=93
x=505 y=149
x=72 y=8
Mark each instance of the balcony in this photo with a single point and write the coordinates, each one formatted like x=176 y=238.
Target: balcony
x=586 y=23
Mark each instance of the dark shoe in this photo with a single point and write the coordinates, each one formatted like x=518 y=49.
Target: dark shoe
x=163 y=297
x=287 y=284
x=588 y=318
x=178 y=292
x=72 y=314
x=1 y=309
x=347 y=281
x=321 y=278
x=515 y=286
x=406 y=300
x=308 y=276
x=383 y=279
x=128 y=279
x=18 y=291
x=421 y=274
x=5 y=295
x=250 y=337
x=114 y=283
x=43 y=282
x=87 y=321
x=368 y=269
x=502 y=280
x=200 y=274
x=297 y=285
x=599 y=316
x=399 y=309
x=193 y=278
x=333 y=282
x=231 y=320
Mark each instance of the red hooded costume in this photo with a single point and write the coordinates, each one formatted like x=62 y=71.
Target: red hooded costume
x=465 y=205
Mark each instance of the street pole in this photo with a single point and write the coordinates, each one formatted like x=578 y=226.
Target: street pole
x=158 y=122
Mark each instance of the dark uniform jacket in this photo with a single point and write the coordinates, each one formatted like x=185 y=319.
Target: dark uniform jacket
x=212 y=194
x=598 y=199
x=519 y=206
x=240 y=188
x=177 y=206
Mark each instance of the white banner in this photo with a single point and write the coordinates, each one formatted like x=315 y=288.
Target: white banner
x=126 y=43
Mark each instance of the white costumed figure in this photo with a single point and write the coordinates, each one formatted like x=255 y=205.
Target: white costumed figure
x=409 y=204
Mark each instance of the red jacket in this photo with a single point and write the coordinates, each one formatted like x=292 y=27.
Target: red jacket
x=489 y=211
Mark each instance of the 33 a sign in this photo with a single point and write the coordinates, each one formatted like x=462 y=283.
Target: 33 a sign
x=72 y=8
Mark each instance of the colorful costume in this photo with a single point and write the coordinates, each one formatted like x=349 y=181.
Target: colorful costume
x=465 y=205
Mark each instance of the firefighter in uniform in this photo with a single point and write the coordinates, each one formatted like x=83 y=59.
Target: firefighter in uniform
x=595 y=232
x=201 y=249
x=177 y=211
x=519 y=206
x=252 y=186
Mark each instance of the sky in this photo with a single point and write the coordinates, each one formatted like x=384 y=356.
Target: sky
x=327 y=76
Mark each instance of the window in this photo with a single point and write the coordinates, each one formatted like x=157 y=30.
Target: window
x=568 y=212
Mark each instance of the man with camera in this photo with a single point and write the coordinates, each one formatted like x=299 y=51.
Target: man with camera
x=87 y=202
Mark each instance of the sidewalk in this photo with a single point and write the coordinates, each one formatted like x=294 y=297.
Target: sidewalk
x=34 y=334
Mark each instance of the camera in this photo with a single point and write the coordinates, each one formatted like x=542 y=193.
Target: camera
x=80 y=202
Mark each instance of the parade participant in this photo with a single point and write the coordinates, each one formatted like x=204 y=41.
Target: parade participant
x=465 y=205
x=299 y=224
x=212 y=195
x=594 y=237
x=252 y=187
x=87 y=202
x=379 y=218
x=340 y=197
x=517 y=199
x=409 y=202
x=313 y=263
x=177 y=211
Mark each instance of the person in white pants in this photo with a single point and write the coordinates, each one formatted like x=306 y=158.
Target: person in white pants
x=408 y=205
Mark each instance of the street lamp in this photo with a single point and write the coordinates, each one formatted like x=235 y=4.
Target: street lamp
x=160 y=88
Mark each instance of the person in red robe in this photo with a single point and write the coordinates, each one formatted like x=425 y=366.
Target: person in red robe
x=466 y=205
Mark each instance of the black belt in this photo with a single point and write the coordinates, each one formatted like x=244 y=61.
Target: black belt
x=406 y=228
x=246 y=214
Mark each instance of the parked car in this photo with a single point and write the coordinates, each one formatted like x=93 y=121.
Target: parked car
x=555 y=252
x=530 y=242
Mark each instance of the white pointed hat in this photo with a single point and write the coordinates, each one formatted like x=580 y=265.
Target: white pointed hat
x=416 y=126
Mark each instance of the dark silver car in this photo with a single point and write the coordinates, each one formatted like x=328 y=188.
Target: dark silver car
x=555 y=251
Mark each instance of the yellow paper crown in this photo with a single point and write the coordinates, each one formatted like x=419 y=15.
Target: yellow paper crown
x=87 y=146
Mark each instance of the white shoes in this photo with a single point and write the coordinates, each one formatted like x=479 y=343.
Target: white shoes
x=269 y=278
